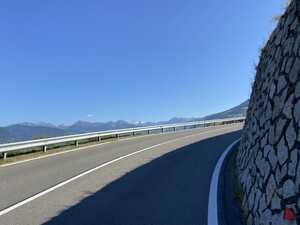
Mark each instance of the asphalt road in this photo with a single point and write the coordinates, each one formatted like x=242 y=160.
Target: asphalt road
x=165 y=183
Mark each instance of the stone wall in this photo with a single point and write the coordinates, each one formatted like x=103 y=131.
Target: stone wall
x=268 y=159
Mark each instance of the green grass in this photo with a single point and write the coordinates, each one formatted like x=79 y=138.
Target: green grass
x=238 y=189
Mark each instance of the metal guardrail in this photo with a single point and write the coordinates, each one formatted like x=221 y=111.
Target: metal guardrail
x=44 y=143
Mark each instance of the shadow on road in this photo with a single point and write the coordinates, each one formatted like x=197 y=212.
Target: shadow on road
x=172 y=189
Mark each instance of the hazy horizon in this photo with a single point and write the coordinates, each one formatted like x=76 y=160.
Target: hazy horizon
x=91 y=121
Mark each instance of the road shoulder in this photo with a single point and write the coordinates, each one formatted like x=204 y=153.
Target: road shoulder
x=229 y=195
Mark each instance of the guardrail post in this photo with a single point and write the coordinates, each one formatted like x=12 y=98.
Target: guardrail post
x=99 y=139
x=4 y=155
x=162 y=130
x=45 y=148
x=174 y=129
x=148 y=132
x=76 y=143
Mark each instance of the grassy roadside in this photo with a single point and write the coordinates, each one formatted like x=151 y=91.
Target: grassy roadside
x=238 y=190
x=36 y=153
x=28 y=154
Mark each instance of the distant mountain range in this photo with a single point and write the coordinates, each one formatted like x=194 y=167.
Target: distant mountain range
x=238 y=111
x=30 y=131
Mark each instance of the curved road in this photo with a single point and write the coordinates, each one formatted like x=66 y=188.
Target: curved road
x=159 y=179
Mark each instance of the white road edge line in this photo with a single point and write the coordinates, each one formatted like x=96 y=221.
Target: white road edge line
x=213 y=212
x=85 y=147
x=13 y=207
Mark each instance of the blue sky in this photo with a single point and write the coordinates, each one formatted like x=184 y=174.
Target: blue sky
x=100 y=60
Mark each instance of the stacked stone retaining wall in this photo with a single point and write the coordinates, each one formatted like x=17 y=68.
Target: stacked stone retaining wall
x=269 y=155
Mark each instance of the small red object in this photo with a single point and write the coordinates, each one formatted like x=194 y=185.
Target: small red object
x=289 y=214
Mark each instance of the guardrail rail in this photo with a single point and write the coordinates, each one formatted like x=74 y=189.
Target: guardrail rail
x=75 y=139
